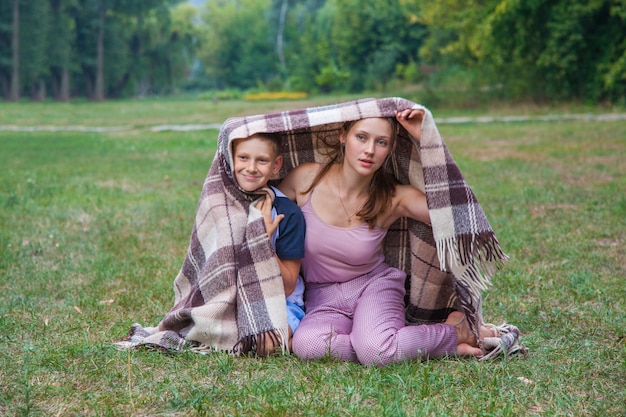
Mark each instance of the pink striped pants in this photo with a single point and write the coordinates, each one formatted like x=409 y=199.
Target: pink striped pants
x=362 y=320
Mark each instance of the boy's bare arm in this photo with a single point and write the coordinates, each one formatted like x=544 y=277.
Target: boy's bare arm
x=289 y=268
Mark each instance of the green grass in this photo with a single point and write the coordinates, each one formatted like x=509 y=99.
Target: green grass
x=143 y=113
x=94 y=227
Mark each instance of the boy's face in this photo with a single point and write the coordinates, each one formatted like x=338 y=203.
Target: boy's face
x=255 y=162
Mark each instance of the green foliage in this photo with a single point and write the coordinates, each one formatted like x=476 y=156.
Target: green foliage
x=6 y=51
x=382 y=67
x=181 y=48
x=60 y=50
x=221 y=95
x=238 y=51
x=306 y=45
x=409 y=72
x=369 y=38
x=544 y=50
x=34 y=38
x=331 y=78
x=143 y=53
x=539 y=50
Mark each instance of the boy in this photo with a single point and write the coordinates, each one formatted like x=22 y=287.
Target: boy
x=256 y=160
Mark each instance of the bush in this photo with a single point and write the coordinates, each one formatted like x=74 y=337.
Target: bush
x=222 y=95
x=276 y=95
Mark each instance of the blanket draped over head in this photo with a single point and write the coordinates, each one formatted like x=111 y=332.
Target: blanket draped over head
x=229 y=291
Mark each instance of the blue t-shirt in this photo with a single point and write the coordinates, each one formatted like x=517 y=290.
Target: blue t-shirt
x=288 y=242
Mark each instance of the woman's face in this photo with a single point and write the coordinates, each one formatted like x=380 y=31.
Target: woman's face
x=367 y=144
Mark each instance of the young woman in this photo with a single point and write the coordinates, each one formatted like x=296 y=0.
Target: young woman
x=354 y=301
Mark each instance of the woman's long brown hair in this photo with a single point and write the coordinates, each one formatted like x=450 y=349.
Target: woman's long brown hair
x=382 y=188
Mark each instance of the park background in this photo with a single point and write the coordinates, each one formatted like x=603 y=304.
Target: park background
x=467 y=51
x=108 y=126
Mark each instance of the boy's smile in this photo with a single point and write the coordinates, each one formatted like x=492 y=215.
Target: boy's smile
x=255 y=163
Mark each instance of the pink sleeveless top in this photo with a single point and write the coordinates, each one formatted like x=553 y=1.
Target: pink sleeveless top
x=338 y=254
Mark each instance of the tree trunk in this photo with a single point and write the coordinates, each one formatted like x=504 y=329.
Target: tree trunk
x=5 y=84
x=99 y=87
x=14 y=94
x=55 y=84
x=89 y=83
x=59 y=73
x=64 y=91
x=60 y=81
x=279 y=36
x=116 y=90
x=38 y=91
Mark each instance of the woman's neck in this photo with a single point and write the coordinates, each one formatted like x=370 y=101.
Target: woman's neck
x=352 y=195
x=351 y=183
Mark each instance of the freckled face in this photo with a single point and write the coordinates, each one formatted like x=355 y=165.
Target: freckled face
x=368 y=142
x=255 y=163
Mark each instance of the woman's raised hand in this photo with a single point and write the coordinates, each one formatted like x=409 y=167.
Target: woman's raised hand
x=411 y=120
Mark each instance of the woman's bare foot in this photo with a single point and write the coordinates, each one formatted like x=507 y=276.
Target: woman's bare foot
x=467 y=345
x=488 y=331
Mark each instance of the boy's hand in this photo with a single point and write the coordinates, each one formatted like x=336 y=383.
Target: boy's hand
x=411 y=120
x=265 y=205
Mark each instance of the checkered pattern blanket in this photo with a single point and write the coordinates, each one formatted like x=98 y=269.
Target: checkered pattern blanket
x=229 y=290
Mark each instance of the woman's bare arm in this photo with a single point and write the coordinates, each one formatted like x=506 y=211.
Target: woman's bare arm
x=412 y=203
x=298 y=180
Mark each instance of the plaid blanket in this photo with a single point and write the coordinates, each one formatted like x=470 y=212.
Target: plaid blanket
x=229 y=290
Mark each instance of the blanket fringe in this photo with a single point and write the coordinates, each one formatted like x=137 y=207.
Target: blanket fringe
x=139 y=336
x=507 y=344
x=256 y=343
x=482 y=251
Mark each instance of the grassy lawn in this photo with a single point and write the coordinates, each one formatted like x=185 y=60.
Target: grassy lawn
x=94 y=227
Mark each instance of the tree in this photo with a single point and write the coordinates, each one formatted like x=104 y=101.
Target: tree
x=103 y=48
x=613 y=67
x=60 y=50
x=169 y=46
x=281 y=34
x=27 y=50
x=98 y=93
x=363 y=33
x=305 y=47
x=143 y=46
x=182 y=43
x=14 y=95
x=86 y=19
x=113 y=43
x=6 y=61
x=237 y=50
x=537 y=49
x=33 y=51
